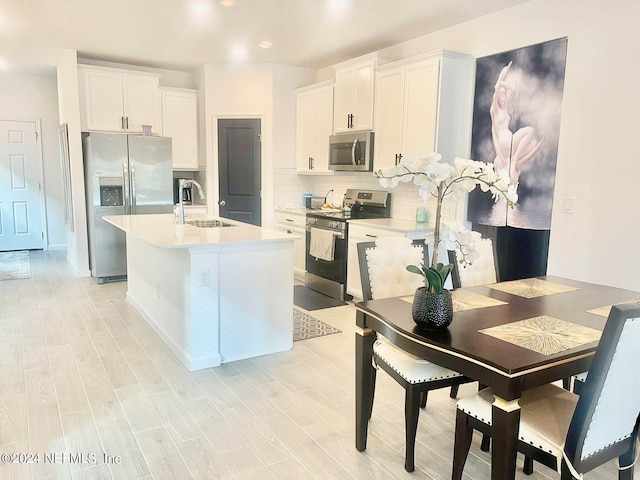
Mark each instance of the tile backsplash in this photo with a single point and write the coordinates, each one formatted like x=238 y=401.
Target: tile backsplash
x=290 y=187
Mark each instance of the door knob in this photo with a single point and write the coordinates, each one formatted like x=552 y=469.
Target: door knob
x=222 y=203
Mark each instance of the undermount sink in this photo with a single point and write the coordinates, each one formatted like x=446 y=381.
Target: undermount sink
x=209 y=223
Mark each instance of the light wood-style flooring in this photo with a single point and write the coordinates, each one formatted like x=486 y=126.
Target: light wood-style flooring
x=82 y=373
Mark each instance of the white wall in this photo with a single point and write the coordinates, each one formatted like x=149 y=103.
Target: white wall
x=69 y=103
x=34 y=97
x=264 y=91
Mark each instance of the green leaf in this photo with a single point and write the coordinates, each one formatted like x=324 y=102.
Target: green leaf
x=434 y=280
x=415 y=269
x=445 y=271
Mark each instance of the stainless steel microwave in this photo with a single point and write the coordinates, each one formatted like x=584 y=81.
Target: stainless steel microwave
x=352 y=152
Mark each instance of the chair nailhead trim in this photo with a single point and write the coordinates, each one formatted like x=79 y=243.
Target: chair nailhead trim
x=430 y=379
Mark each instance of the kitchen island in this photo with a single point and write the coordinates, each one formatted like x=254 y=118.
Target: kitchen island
x=214 y=295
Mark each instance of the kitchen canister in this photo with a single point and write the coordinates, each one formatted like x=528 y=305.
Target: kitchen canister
x=421 y=215
x=305 y=202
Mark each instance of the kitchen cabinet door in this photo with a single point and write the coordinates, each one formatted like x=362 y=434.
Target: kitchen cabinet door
x=293 y=223
x=354 y=90
x=420 y=117
x=180 y=122
x=343 y=99
x=422 y=106
x=364 y=80
x=141 y=103
x=324 y=125
x=117 y=100
x=314 y=125
x=103 y=101
x=305 y=131
x=389 y=114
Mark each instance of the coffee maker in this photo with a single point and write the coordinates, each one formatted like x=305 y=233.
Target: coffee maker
x=186 y=192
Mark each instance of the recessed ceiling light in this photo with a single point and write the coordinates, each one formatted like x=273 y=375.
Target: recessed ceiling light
x=227 y=3
x=201 y=7
x=239 y=53
x=265 y=44
x=3 y=64
x=337 y=3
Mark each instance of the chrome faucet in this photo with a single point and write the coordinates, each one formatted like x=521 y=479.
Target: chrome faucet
x=186 y=182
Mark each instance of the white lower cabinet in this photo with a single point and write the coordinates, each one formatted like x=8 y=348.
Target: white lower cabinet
x=293 y=223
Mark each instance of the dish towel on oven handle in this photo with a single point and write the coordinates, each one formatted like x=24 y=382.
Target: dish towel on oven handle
x=322 y=244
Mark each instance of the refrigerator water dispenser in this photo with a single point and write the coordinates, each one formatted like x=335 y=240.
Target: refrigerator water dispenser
x=111 y=192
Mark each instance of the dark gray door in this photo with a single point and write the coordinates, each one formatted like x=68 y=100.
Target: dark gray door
x=239 y=169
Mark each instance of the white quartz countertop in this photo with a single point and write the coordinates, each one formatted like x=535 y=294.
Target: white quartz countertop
x=395 y=224
x=161 y=230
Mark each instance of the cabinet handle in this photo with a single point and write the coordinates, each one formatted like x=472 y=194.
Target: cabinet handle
x=289 y=231
x=399 y=157
x=312 y=159
x=372 y=236
x=126 y=122
x=288 y=219
x=122 y=122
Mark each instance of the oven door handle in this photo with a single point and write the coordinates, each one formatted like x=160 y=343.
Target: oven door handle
x=338 y=235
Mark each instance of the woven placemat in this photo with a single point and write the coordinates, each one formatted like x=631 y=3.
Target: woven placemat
x=532 y=287
x=544 y=334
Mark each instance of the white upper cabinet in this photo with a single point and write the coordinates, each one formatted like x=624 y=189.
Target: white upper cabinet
x=388 y=112
x=118 y=100
x=423 y=104
x=180 y=122
x=314 y=125
x=354 y=93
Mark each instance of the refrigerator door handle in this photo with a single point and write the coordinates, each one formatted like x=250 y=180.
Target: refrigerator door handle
x=133 y=189
x=125 y=178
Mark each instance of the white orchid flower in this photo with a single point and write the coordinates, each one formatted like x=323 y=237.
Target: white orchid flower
x=436 y=179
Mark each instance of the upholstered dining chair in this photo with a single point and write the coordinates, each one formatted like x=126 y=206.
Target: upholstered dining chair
x=483 y=271
x=570 y=433
x=383 y=274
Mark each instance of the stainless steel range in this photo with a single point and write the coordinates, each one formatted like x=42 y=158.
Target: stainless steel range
x=327 y=267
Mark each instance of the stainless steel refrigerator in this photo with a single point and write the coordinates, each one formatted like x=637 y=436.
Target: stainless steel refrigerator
x=124 y=175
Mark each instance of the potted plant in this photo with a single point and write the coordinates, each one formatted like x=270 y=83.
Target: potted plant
x=432 y=305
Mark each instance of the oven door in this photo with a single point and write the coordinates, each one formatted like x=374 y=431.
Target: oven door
x=328 y=277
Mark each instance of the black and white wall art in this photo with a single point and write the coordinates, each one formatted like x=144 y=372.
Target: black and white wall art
x=516 y=126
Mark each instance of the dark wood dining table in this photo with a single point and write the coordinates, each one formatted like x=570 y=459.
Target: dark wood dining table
x=508 y=368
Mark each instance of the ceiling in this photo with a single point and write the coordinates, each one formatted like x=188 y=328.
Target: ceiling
x=185 y=34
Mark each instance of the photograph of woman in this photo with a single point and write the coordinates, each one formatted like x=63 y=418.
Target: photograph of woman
x=516 y=123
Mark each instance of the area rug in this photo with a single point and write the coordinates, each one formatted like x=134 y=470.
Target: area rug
x=309 y=299
x=305 y=327
x=15 y=265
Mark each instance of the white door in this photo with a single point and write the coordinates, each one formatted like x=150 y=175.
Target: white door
x=20 y=209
